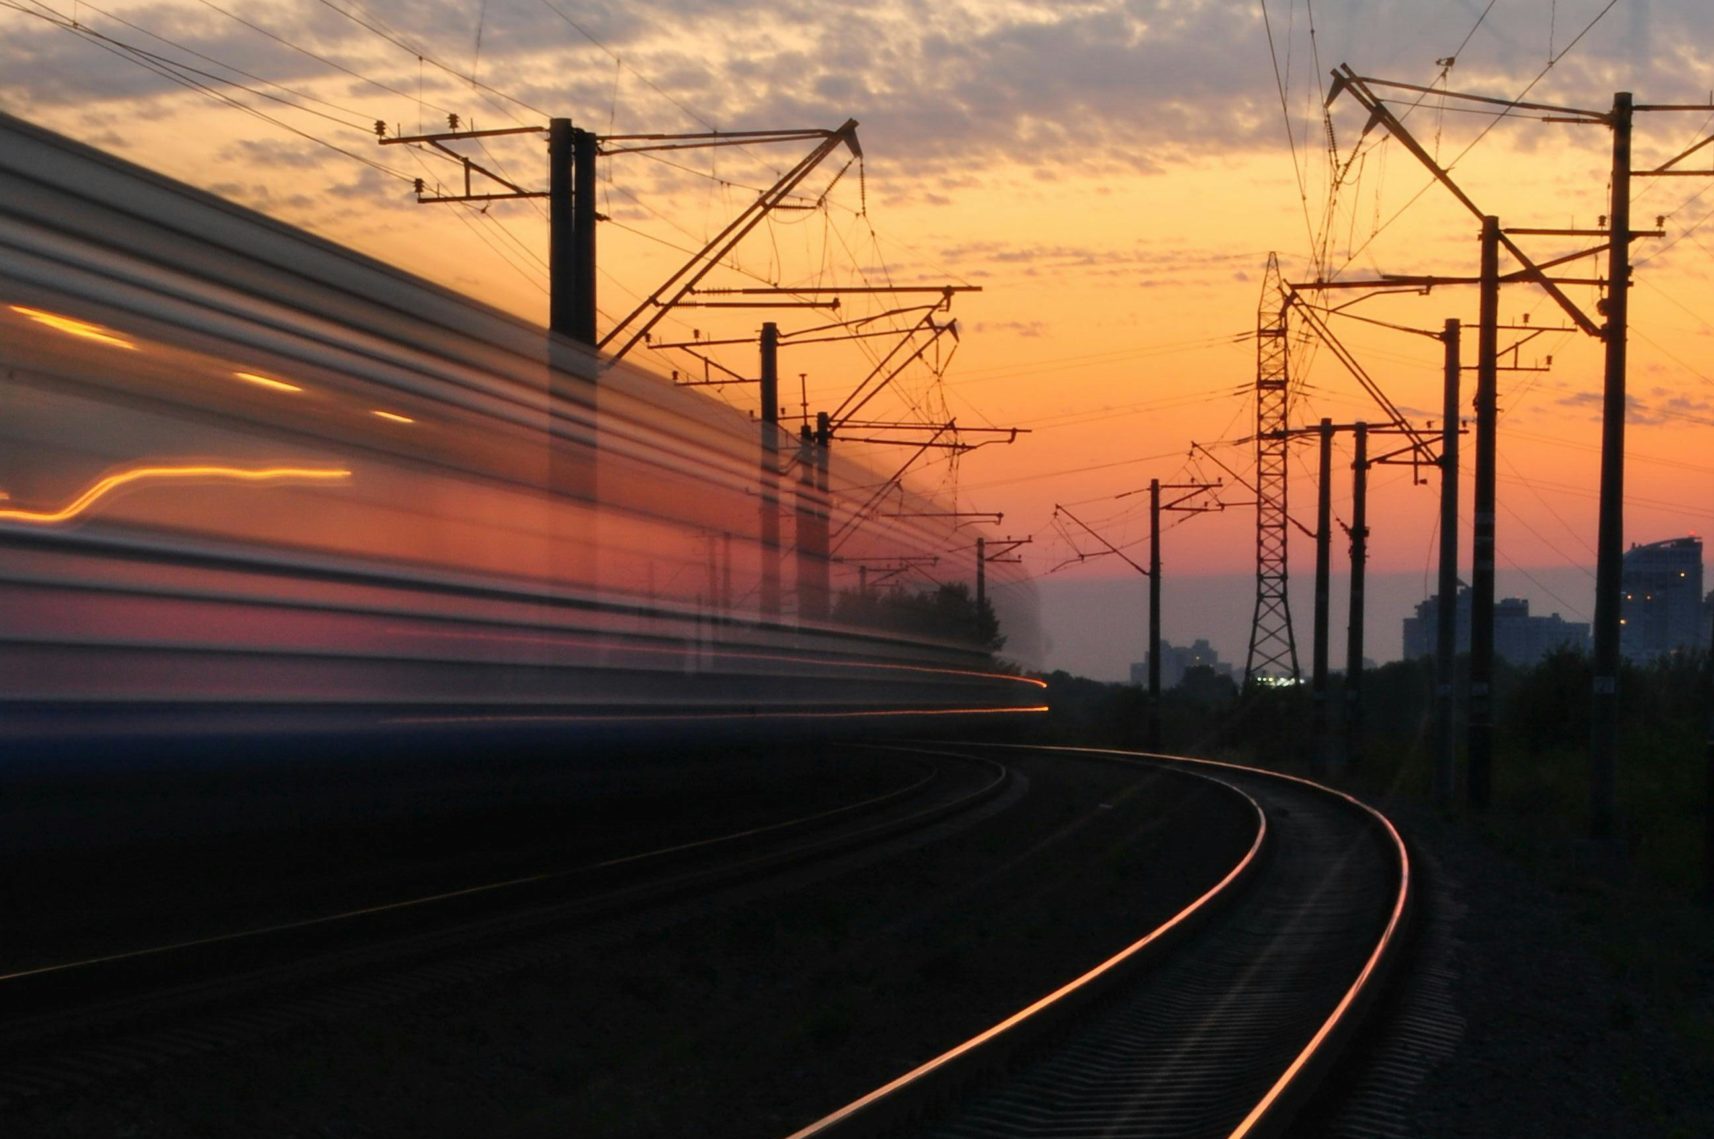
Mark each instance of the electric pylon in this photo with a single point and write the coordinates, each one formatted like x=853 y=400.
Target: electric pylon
x=1271 y=643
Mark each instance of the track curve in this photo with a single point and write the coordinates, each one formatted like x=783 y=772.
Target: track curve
x=1221 y=1033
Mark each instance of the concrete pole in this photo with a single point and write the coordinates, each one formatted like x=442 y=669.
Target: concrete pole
x=571 y=231
x=819 y=598
x=981 y=575
x=803 y=518
x=1446 y=622
x=1154 y=742
x=1481 y=724
x=1708 y=794
x=583 y=149
x=770 y=471
x=1323 y=558
x=561 y=297
x=1609 y=542
x=1354 y=626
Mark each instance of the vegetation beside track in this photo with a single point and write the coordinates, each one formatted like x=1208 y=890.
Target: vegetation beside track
x=1641 y=899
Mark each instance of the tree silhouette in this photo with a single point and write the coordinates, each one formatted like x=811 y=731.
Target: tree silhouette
x=945 y=613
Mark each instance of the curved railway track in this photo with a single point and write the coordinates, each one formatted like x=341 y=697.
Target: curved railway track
x=74 y=1021
x=838 y=970
x=1217 y=1023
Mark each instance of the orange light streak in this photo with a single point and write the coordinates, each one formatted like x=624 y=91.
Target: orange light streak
x=266 y=382
x=574 y=640
x=689 y=717
x=110 y=483
x=392 y=415
x=72 y=327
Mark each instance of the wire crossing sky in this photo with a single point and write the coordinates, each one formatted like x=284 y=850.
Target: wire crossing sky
x=1112 y=175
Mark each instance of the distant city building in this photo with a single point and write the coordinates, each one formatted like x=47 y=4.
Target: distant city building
x=1518 y=637
x=1176 y=660
x=1661 y=606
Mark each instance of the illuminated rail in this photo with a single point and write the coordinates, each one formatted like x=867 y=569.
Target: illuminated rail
x=1110 y=1074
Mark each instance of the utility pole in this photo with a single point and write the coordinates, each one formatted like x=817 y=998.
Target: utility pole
x=812 y=552
x=1613 y=332
x=1609 y=541
x=813 y=512
x=1154 y=741
x=912 y=344
x=1481 y=725
x=1410 y=452
x=770 y=471
x=981 y=574
x=1323 y=542
x=1416 y=451
x=823 y=509
x=1191 y=491
x=571 y=210
x=1354 y=627
x=561 y=182
x=1708 y=782
x=572 y=215
x=1004 y=552
x=571 y=231
x=1446 y=616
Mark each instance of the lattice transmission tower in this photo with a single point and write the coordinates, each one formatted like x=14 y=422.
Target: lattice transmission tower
x=1272 y=647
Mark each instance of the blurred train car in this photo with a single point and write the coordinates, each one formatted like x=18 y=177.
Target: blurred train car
x=253 y=482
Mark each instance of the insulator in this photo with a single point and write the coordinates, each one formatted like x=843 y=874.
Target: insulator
x=452 y=122
x=419 y=186
x=380 y=128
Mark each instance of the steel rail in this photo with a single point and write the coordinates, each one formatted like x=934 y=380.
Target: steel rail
x=904 y=1097
x=929 y=1088
x=467 y=892
x=383 y=935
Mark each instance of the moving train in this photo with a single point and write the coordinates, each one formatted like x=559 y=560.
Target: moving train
x=254 y=482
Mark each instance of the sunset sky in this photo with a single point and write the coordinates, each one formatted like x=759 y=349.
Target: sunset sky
x=1112 y=176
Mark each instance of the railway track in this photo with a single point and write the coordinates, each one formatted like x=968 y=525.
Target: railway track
x=623 y=1025
x=74 y=1022
x=1217 y=1023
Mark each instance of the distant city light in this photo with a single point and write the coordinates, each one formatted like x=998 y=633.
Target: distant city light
x=74 y=327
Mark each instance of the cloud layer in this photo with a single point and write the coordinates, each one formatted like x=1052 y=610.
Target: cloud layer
x=1119 y=86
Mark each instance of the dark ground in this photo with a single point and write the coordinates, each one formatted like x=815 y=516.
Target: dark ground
x=744 y=1019
x=1578 y=1008
x=1564 y=1033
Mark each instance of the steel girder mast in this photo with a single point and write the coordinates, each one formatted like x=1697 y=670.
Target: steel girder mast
x=1272 y=645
